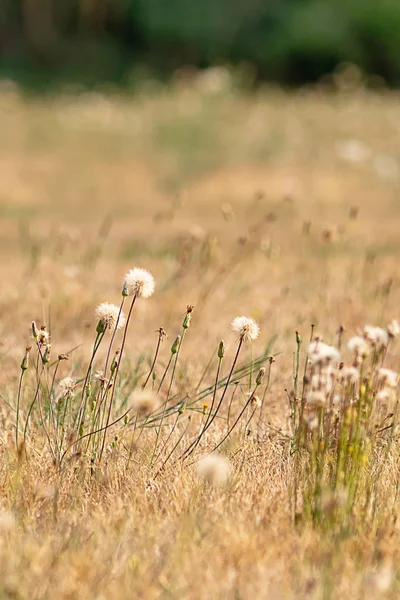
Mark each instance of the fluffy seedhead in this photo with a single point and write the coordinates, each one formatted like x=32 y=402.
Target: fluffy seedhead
x=358 y=346
x=139 y=283
x=376 y=336
x=245 y=328
x=107 y=315
x=322 y=354
x=393 y=328
x=214 y=469
x=144 y=402
x=66 y=387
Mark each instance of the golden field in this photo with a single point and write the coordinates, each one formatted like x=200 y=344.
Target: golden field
x=283 y=207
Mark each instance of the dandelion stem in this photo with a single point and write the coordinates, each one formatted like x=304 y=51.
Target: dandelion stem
x=192 y=446
x=161 y=334
x=116 y=375
x=18 y=405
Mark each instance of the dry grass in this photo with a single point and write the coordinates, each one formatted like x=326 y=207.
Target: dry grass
x=280 y=207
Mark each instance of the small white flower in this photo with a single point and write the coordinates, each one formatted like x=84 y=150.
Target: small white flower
x=246 y=329
x=349 y=375
x=320 y=353
x=393 y=328
x=316 y=398
x=376 y=336
x=385 y=395
x=139 y=283
x=107 y=315
x=388 y=378
x=214 y=469
x=42 y=337
x=359 y=346
x=66 y=387
x=144 y=402
x=324 y=379
x=311 y=419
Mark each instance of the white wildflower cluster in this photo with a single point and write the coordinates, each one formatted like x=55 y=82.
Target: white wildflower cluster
x=376 y=336
x=332 y=384
x=322 y=354
x=387 y=384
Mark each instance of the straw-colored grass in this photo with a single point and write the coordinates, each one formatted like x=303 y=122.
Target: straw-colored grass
x=280 y=207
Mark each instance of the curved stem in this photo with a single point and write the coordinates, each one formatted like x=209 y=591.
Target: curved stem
x=192 y=446
x=160 y=336
x=116 y=374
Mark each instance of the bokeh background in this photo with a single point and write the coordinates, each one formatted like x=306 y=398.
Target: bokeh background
x=289 y=41
x=245 y=152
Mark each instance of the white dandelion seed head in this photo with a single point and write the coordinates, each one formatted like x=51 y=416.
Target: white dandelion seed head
x=322 y=354
x=358 y=346
x=43 y=336
x=324 y=379
x=349 y=375
x=66 y=387
x=310 y=417
x=385 y=395
x=139 y=283
x=7 y=521
x=317 y=398
x=388 y=378
x=107 y=314
x=376 y=336
x=214 y=469
x=245 y=328
x=393 y=328
x=144 y=402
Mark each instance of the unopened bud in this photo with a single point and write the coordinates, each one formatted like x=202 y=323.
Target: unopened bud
x=260 y=376
x=34 y=330
x=175 y=345
x=25 y=360
x=221 y=349
x=298 y=338
x=125 y=290
x=114 y=363
x=46 y=355
x=101 y=326
x=186 y=320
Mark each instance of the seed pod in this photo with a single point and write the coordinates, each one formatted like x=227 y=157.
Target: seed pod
x=175 y=345
x=186 y=320
x=46 y=355
x=25 y=360
x=260 y=376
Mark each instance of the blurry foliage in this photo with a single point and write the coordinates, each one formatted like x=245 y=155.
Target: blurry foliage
x=291 y=41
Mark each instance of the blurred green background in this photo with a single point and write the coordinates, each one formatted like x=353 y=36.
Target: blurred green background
x=288 y=41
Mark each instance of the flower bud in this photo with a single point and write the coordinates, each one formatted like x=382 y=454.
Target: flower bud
x=101 y=327
x=186 y=320
x=25 y=360
x=46 y=355
x=175 y=345
x=125 y=291
x=260 y=376
x=221 y=349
